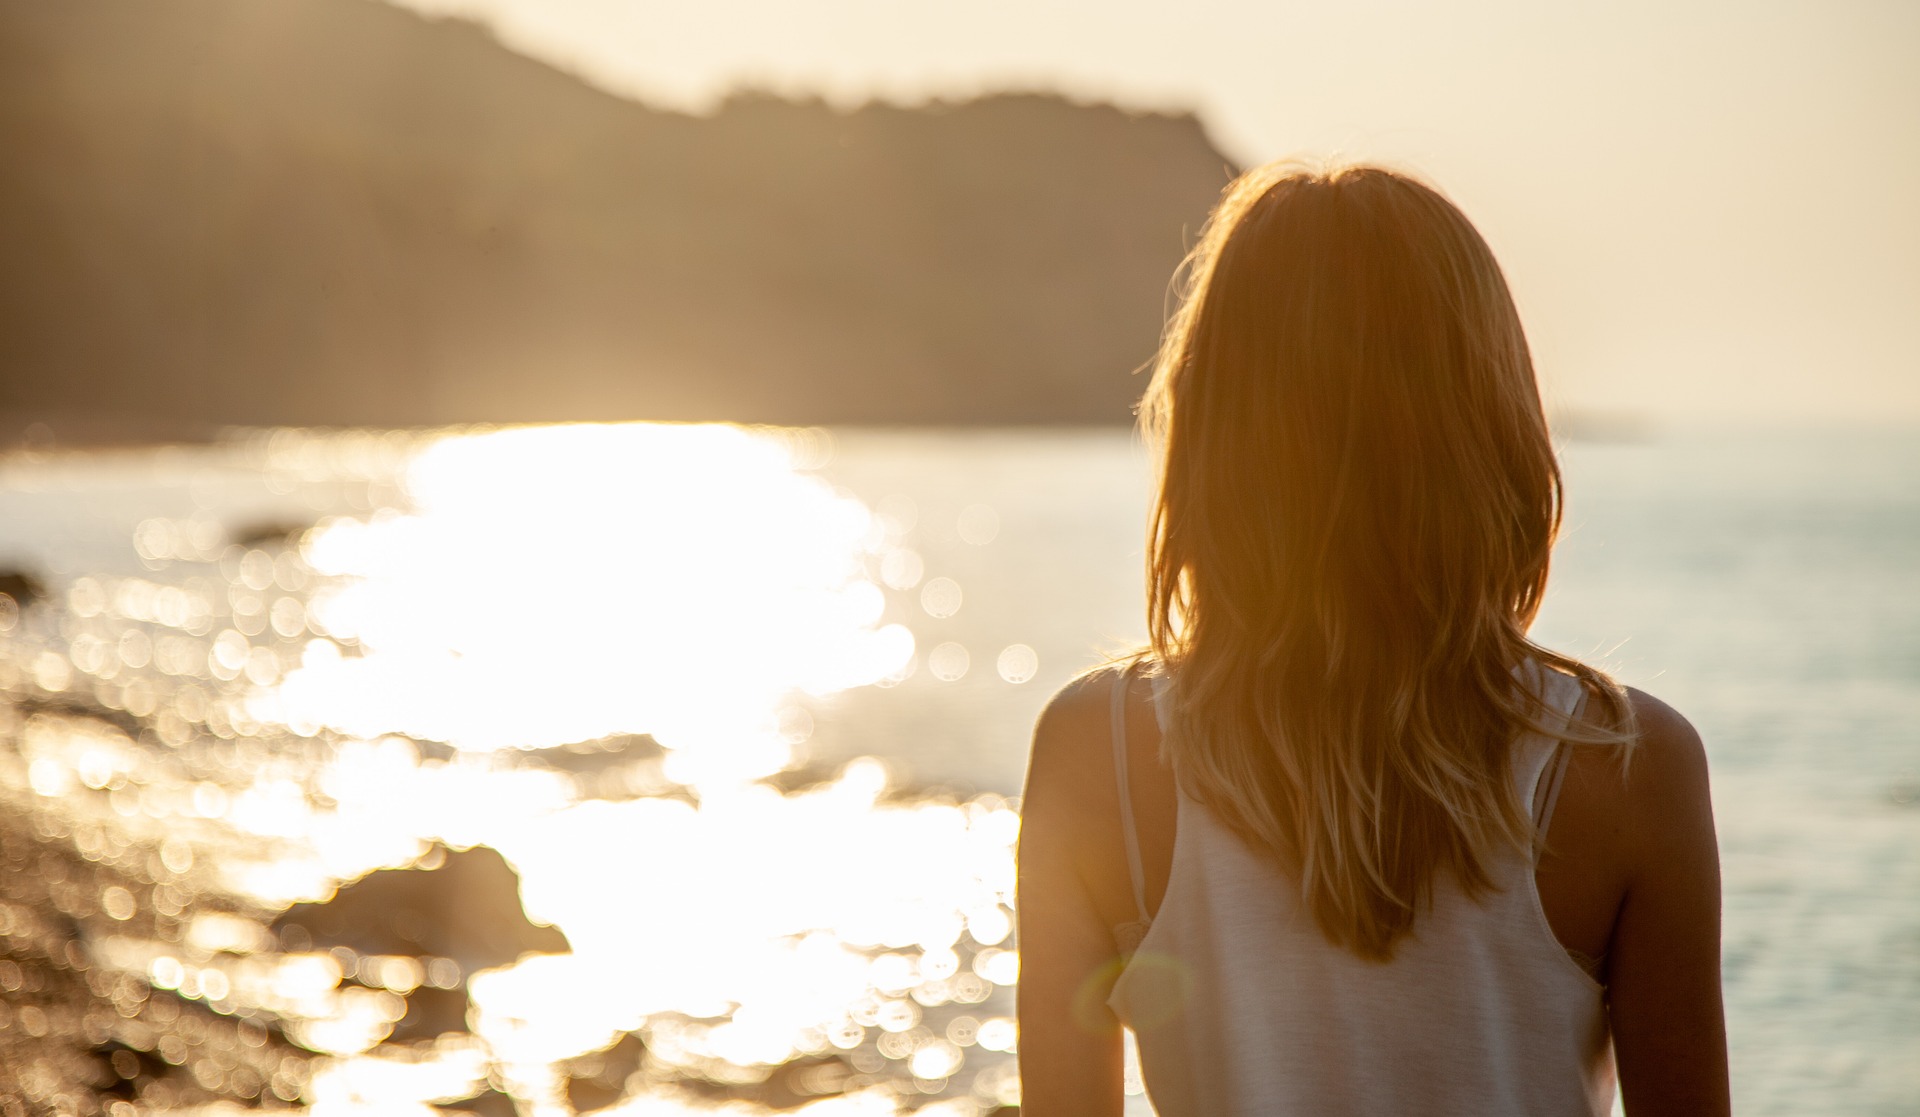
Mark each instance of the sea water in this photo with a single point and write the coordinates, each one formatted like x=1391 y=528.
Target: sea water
x=1766 y=584
x=835 y=644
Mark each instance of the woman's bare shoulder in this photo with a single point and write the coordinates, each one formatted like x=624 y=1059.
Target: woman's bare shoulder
x=1665 y=780
x=1651 y=796
x=1077 y=720
x=1667 y=764
x=1664 y=731
x=1074 y=730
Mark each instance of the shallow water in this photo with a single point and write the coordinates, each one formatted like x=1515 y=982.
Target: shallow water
x=260 y=670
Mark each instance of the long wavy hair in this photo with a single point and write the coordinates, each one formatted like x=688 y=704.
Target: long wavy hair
x=1357 y=500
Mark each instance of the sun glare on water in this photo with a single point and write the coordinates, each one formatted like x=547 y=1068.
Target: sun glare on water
x=558 y=584
x=584 y=647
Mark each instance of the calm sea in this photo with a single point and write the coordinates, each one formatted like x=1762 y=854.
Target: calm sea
x=746 y=713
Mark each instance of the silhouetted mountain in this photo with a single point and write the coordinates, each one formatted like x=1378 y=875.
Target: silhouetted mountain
x=338 y=212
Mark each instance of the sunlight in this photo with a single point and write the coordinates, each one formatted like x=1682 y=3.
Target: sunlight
x=681 y=581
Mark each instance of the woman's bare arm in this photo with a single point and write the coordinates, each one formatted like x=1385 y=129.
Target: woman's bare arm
x=1669 y=1029
x=1070 y=1056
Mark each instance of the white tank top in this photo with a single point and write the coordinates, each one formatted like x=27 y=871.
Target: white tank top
x=1241 y=1006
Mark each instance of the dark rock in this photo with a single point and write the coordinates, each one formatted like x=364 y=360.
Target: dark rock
x=585 y=1095
x=121 y=1067
x=591 y=758
x=614 y=768
x=598 y=1080
x=787 y=1086
x=431 y=1012
x=803 y=1080
x=468 y=909
x=78 y=707
x=492 y=1103
x=274 y=533
x=24 y=588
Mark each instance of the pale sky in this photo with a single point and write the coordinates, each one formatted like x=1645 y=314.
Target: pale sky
x=1706 y=210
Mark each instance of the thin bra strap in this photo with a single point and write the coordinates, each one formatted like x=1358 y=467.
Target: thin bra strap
x=1551 y=791
x=1126 y=794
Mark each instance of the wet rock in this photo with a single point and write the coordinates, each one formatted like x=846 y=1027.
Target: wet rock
x=270 y=533
x=599 y=1080
x=803 y=778
x=588 y=758
x=629 y=766
x=787 y=1086
x=120 y=1067
x=468 y=909
x=79 y=708
x=804 y=1080
x=24 y=588
x=493 y=1103
x=431 y=1012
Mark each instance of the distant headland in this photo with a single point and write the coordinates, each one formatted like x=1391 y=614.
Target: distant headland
x=336 y=212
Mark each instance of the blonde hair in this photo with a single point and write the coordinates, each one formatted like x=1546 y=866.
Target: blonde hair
x=1357 y=499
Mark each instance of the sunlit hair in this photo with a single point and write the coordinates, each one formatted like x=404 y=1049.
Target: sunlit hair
x=1357 y=500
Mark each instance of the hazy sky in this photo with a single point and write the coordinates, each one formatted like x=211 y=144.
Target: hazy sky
x=1706 y=210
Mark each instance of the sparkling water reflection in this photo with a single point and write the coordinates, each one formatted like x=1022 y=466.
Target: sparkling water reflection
x=204 y=896
x=588 y=648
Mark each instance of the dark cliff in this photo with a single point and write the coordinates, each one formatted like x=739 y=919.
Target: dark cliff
x=337 y=212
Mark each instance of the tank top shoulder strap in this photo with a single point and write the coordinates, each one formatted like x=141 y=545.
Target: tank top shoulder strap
x=1565 y=697
x=1135 y=871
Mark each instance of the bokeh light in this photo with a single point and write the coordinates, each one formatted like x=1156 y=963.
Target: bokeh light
x=1017 y=663
x=489 y=781
x=948 y=662
x=979 y=524
x=941 y=598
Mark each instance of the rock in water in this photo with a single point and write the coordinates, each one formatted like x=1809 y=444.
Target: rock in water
x=431 y=1013
x=468 y=910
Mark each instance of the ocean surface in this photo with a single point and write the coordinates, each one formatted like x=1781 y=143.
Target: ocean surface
x=742 y=714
